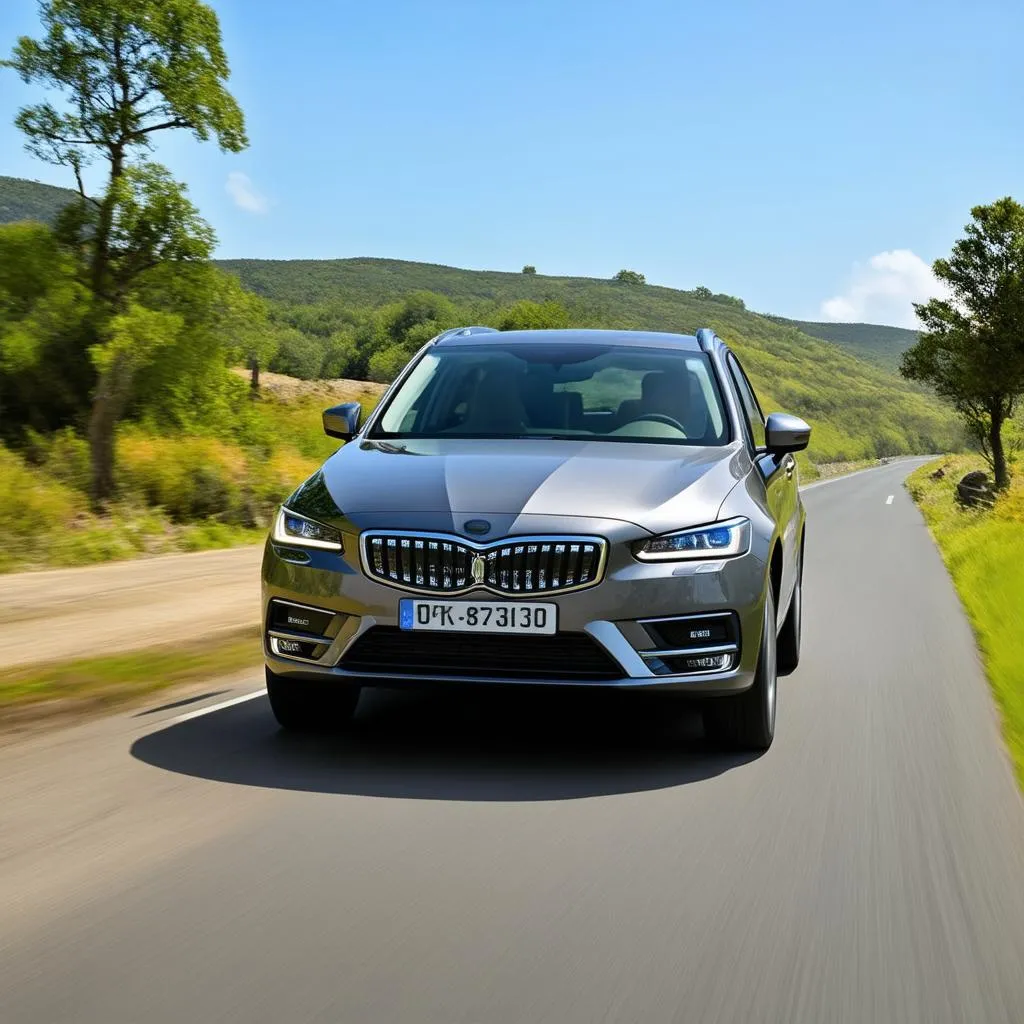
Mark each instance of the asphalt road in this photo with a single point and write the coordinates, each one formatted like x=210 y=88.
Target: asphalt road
x=540 y=858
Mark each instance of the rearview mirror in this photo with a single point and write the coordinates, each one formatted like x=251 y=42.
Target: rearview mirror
x=785 y=433
x=343 y=420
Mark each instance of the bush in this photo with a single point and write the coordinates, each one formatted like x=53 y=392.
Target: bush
x=298 y=355
x=341 y=357
x=387 y=364
x=32 y=509
x=188 y=477
x=532 y=316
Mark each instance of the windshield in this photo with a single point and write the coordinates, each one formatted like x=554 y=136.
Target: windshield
x=585 y=392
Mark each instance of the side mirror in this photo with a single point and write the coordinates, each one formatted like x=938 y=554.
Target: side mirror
x=343 y=420
x=785 y=433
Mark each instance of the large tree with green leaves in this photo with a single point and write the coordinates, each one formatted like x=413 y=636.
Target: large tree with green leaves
x=972 y=347
x=121 y=72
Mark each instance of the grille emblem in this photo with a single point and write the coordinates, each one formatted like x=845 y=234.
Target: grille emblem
x=478 y=569
x=477 y=526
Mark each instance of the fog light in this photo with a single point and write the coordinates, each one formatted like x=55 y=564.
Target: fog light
x=707 y=663
x=296 y=648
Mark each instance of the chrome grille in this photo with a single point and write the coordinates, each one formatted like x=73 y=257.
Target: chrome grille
x=441 y=564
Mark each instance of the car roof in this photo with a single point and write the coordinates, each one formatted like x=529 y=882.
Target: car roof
x=631 y=339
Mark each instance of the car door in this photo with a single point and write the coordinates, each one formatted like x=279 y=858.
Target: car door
x=779 y=475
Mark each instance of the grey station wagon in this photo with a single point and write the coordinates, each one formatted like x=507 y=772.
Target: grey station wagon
x=557 y=508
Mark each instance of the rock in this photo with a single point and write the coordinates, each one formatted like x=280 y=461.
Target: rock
x=975 y=489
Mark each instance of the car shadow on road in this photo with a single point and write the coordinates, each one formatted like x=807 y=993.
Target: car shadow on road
x=448 y=744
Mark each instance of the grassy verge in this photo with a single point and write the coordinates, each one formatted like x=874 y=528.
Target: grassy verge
x=984 y=552
x=34 y=692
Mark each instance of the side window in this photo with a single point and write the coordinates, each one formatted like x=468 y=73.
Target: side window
x=751 y=408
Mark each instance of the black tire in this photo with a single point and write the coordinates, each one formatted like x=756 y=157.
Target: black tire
x=747 y=721
x=301 y=706
x=788 y=656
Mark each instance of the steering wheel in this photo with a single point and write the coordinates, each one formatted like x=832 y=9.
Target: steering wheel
x=658 y=417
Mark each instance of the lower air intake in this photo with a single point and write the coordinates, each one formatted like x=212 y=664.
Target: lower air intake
x=565 y=656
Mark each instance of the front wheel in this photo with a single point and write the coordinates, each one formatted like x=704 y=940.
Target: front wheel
x=301 y=706
x=747 y=720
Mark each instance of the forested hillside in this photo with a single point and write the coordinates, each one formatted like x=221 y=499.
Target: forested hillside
x=874 y=342
x=363 y=317
x=375 y=281
x=31 y=200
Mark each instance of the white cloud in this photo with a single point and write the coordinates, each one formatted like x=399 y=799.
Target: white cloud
x=882 y=290
x=241 y=189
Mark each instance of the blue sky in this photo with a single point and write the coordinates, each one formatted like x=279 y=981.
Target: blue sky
x=811 y=158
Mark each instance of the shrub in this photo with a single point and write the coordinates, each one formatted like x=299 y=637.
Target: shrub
x=387 y=364
x=189 y=477
x=32 y=509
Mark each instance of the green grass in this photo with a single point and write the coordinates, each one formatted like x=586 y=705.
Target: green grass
x=984 y=552
x=91 y=684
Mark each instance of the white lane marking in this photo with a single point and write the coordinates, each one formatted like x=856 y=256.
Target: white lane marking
x=888 y=500
x=215 y=707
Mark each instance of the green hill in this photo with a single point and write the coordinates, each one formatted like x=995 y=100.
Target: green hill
x=858 y=409
x=21 y=199
x=874 y=342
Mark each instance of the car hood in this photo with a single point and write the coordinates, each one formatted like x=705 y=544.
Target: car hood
x=656 y=487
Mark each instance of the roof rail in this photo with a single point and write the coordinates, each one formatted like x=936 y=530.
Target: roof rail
x=461 y=331
x=706 y=338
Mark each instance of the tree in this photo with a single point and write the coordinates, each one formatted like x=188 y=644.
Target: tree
x=972 y=347
x=418 y=308
x=190 y=384
x=297 y=355
x=341 y=356
x=702 y=292
x=43 y=311
x=127 y=70
x=153 y=224
x=529 y=269
x=630 y=277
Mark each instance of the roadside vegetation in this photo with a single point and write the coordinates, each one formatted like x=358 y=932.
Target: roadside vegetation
x=186 y=491
x=971 y=350
x=35 y=693
x=983 y=548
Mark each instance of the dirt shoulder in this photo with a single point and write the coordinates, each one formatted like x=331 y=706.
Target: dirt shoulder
x=66 y=614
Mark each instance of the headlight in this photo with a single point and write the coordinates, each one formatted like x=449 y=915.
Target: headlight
x=719 y=540
x=291 y=528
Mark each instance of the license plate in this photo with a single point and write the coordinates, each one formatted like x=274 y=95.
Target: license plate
x=478 y=616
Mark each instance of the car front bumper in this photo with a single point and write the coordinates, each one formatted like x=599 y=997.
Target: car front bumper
x=610 y=613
